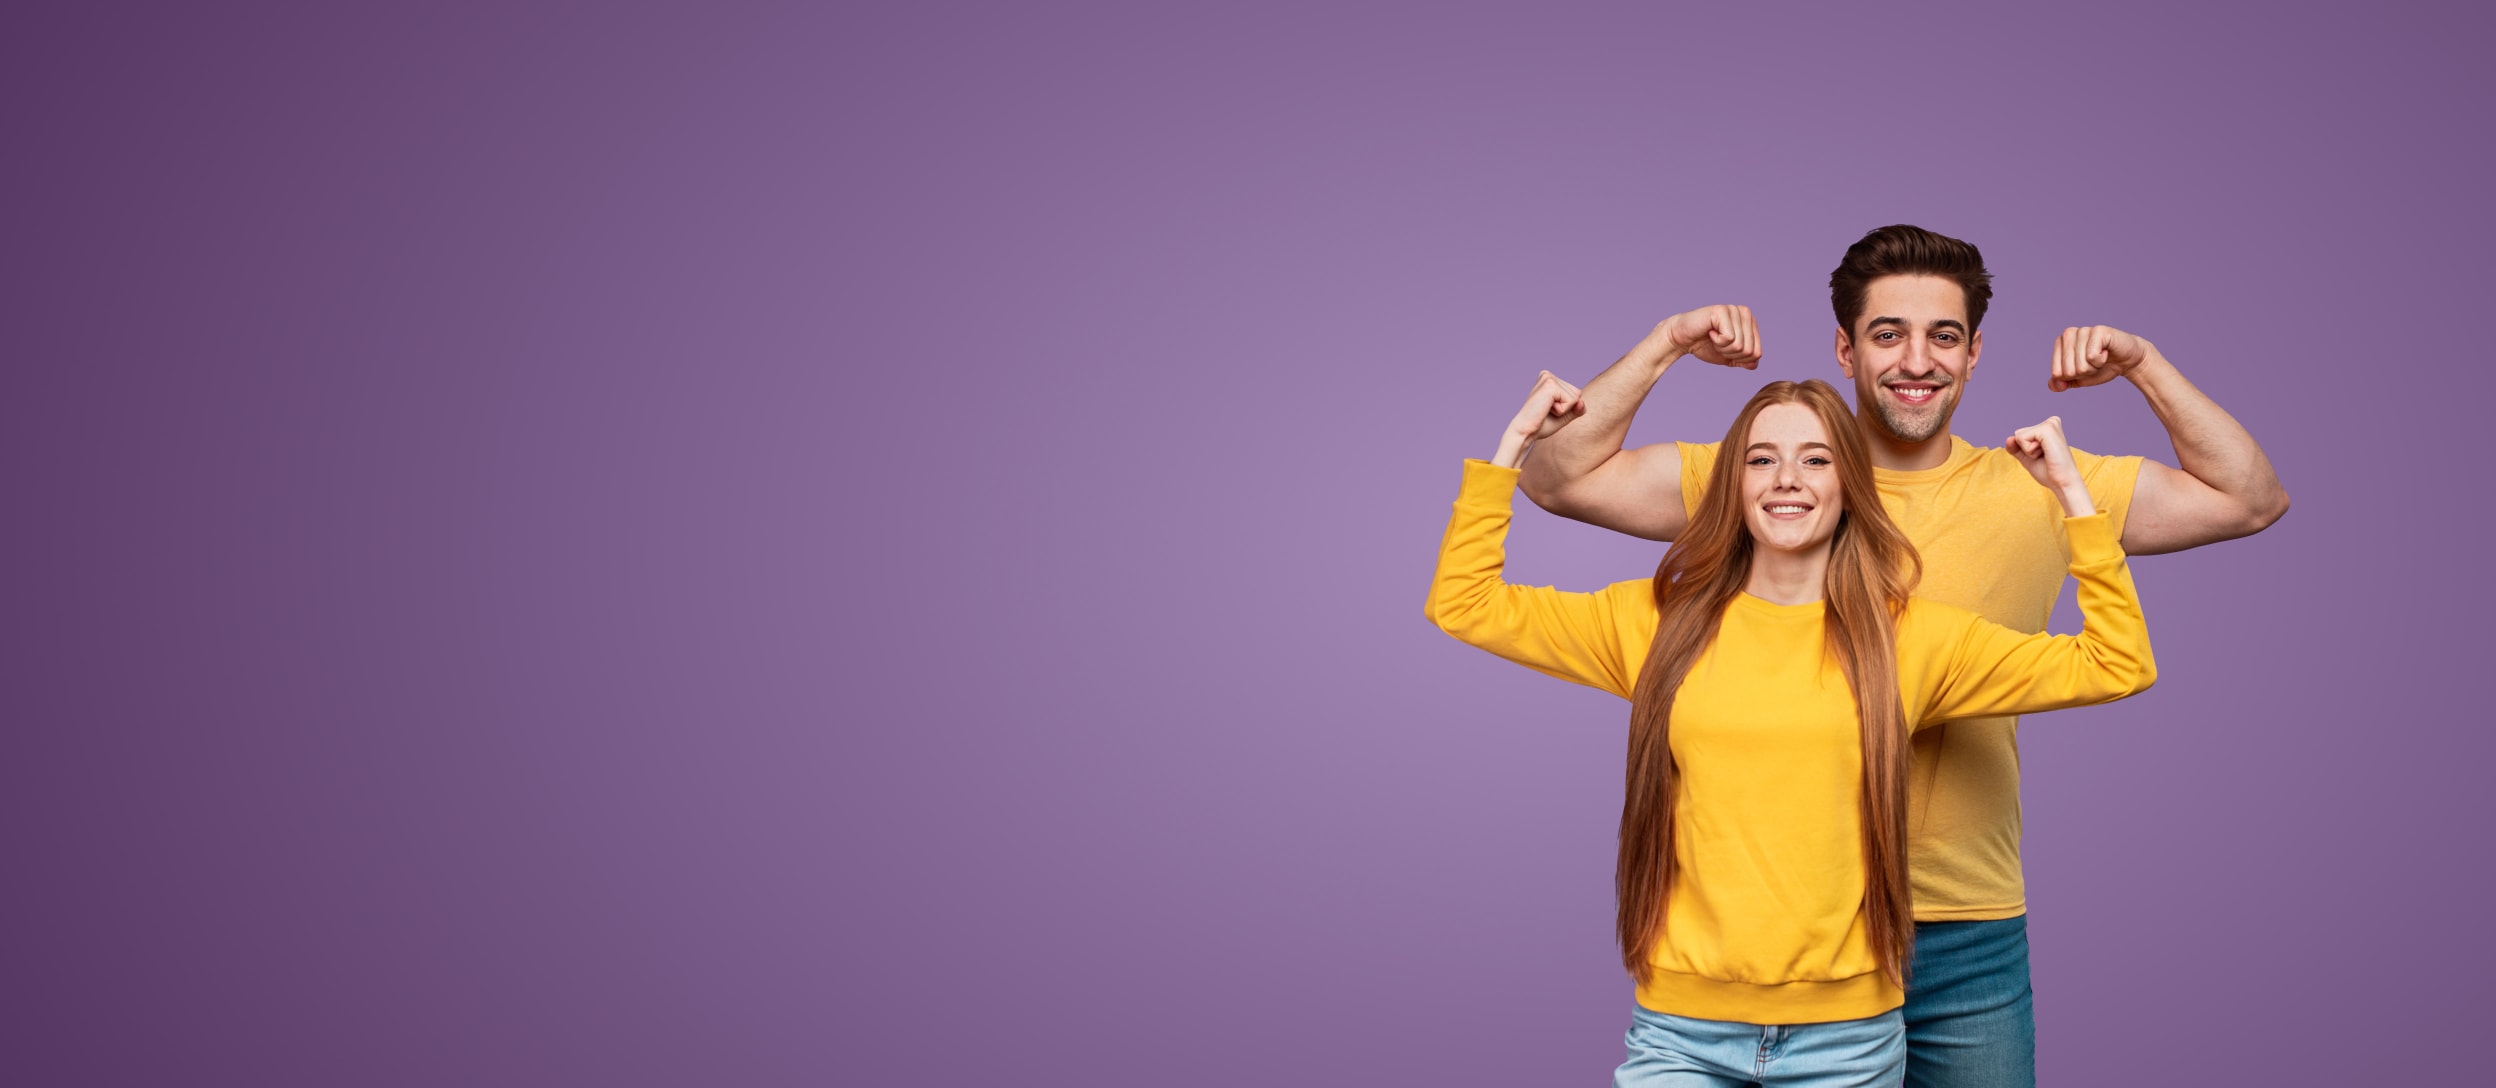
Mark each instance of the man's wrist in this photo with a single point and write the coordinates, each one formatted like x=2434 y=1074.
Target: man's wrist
x=2154 y=368
x=1662 y=353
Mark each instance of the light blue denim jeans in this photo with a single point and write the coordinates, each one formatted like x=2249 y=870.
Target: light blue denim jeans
x=1667 y=1051
x=1971 y=1018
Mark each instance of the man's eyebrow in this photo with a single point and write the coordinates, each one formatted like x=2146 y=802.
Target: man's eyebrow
x=1948 y=323
x=1898 y=321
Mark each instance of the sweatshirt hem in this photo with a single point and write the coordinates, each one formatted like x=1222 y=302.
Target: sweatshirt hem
x=1781 y=1003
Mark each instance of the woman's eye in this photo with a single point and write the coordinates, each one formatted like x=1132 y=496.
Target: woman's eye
x=1815 y=460
x=1760 y=461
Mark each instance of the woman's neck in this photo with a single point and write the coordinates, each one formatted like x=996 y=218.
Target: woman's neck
x=1781 y=577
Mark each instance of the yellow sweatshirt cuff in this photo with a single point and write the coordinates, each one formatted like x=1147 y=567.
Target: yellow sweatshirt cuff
x=2093 y=539
x=1487 y=484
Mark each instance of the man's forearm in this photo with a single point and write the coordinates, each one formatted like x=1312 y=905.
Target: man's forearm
x=1578 y=450
x=2210 y=445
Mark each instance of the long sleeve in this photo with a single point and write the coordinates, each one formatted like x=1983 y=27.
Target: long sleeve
x=1573 y=636
x=1956 y=664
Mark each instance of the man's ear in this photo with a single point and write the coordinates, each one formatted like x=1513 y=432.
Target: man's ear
x=1846 y=354
x=1975 y=347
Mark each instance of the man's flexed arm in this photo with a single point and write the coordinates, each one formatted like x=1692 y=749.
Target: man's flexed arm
x=2226 y=488
x=1582 y=472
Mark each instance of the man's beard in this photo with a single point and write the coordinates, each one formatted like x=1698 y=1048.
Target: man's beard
x=1906 y=424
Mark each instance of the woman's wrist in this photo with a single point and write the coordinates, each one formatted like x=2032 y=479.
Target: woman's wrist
x=2076 y=501
x=1512 y=447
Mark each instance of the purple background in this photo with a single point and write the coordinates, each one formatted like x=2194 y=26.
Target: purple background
x=657 y=545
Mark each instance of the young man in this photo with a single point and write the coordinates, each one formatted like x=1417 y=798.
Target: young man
x=1909 y=304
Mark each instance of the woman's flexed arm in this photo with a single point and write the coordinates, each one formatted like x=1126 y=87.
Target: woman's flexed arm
x=1574 y=636
x=1965 y=666
x=2042 y=451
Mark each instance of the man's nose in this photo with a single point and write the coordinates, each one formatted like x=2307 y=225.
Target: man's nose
x=1918 y=360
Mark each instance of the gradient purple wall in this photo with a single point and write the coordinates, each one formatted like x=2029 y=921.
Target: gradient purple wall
x=576 y=544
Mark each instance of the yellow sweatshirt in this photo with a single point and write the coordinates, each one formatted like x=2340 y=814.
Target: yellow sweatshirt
x=1765 y=922
x=1993 y=543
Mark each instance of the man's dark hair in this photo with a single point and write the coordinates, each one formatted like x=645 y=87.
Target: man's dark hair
x=1901 y=250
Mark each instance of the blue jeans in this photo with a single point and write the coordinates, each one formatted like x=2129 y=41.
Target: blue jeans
x=1667 y=1051
x=1971 y=1019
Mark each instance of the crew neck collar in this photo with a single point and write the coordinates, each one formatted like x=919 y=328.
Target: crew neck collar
x=1766 y=607
x=1960 y=451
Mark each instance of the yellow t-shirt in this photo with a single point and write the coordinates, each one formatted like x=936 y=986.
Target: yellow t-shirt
x=1765 y=922
x=1993 y=543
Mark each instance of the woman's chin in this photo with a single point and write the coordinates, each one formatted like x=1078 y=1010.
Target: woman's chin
x=1796 y=543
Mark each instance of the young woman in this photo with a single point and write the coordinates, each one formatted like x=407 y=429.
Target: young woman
x=1774 y=666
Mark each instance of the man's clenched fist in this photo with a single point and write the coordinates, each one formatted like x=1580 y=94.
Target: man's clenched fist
x=1723 y=335
x=2094 y=355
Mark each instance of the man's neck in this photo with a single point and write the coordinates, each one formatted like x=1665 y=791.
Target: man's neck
x=1890 y=453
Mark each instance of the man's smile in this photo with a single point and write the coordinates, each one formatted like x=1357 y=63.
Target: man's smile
x=1915 y=393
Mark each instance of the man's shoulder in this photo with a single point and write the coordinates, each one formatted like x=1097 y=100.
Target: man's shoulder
x=1985 y=465
x=1982 y=482
x=1997 y=462
x=1998 y=469
x=1997 y=457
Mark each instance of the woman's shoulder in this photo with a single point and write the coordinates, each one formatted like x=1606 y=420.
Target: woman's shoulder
x=1632 y=598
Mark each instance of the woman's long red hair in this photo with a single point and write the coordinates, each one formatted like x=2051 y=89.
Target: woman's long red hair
x=1872 y=569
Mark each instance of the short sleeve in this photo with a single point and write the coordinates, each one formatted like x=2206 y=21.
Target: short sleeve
x=1698 y=463
x=2110 y=481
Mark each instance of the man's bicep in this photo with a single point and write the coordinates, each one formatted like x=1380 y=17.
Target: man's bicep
x=1636 y=491
x=2172 y=511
